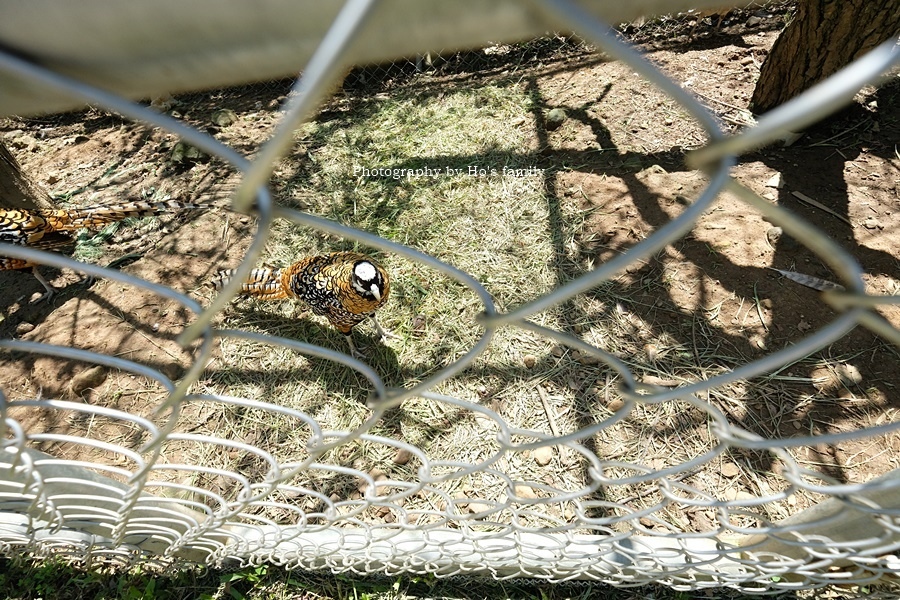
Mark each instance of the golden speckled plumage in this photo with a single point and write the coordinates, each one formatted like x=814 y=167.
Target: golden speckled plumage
x=344 y=287
x=52 y=229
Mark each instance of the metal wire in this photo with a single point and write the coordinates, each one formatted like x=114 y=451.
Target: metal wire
x=161 y=510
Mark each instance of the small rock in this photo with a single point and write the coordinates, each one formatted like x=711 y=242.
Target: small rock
x=363 y=484
x=460 y=500
x=659 y=381
x=388 y=516
x=872 y=223
x=479 y=507
x=733 y=495
x=88 y=379
x=543 y=455
x=555 y=118
x=417 y=325
x=402 y=457
x=525 y=491
x=730 y=470
x=635 y=267
x=224 y=117
x=588 y=359
x=849 y=374
x=183 y=152
x=529 y=361
x=24 y=142
x=775 y=181
x=163 y=102
x=615 y=404
x=23 y=328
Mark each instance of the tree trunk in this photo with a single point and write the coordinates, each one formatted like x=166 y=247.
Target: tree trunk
x=823 y=37
x=17 y=190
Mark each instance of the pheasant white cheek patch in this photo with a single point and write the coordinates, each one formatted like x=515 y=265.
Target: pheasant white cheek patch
x=365 y=271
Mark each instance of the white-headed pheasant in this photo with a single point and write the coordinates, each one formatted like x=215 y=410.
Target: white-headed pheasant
x=344 y=287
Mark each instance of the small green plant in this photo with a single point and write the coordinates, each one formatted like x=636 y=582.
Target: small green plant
x=254 y=576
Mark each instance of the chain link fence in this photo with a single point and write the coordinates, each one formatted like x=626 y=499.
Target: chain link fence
x=614 y=520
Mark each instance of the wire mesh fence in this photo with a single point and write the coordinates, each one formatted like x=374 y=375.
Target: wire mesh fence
x=368 y=466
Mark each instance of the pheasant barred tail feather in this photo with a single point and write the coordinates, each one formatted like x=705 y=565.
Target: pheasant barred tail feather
x=52 y=229
x=13 y=264
x=27 y=227
x=96 y=216
x=264 y=283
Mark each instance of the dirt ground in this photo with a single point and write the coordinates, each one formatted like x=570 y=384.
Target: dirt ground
x=743 y=308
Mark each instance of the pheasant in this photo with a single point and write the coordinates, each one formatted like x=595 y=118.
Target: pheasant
x=52 y=229
x=344 y=287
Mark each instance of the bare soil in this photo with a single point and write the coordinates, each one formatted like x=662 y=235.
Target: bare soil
x=618 y=158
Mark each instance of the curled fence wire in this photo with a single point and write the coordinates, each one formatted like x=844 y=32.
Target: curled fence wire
x=104 y=511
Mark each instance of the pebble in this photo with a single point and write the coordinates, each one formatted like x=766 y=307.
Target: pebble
x=730 y=470
x=525 y=491
x=88 y=379
x=775 y=181
x=615 y=404
x=402 y=457
x=224 y=117
x=543 y=455
x=555 y=118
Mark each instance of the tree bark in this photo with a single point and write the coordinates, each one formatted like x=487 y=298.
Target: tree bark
x=17 y=190
x=823 y=37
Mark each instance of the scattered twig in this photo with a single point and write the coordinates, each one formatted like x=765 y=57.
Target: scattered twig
x=759 y=309
x=717 y=101
x=550 y=417
x=820 y=206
